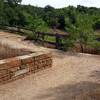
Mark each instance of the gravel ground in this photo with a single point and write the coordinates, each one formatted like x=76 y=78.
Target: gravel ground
x=74 y=76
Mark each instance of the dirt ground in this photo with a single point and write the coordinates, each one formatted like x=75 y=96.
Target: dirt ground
x=74 y=76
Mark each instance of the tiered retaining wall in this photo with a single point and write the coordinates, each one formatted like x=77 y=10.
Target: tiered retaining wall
x=18 y=67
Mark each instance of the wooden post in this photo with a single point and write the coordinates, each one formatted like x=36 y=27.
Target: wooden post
x=57 y=41
x=43 y=35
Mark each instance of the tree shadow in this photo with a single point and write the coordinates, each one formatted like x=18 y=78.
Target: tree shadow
x=95 y=74
x=61 y=54
x=84 y=90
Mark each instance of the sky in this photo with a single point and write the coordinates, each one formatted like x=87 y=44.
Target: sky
x=62 y=3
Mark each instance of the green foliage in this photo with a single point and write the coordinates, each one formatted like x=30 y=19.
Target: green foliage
x=13 y=3
x=80 y=22
x=96 y=25
x=35 y=23
x=1 y=11
x=81 y=32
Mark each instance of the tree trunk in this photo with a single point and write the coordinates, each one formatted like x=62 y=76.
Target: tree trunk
x=82 y=48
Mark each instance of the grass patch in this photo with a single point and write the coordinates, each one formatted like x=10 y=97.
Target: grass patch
x=50 y=38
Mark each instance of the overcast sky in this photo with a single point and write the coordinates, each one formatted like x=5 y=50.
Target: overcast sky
x=62 y=3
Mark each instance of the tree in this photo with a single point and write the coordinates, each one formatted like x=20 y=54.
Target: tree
x=13 y=3
x=15 y=17
x=61 y=22
x=96 y=25
x=82 y=9
x=35 y=23
x=1 y=12
x=49 y=8
x=82 y=33
x=51 y=19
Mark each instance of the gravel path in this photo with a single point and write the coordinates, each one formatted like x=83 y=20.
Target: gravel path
x=72 y=77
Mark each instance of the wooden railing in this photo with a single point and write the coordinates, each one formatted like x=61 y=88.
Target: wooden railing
x=58 y=41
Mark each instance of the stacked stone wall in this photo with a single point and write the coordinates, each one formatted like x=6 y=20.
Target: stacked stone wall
x=18 y=67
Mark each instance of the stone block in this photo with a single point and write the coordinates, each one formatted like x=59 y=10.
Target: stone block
x=26 y=59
